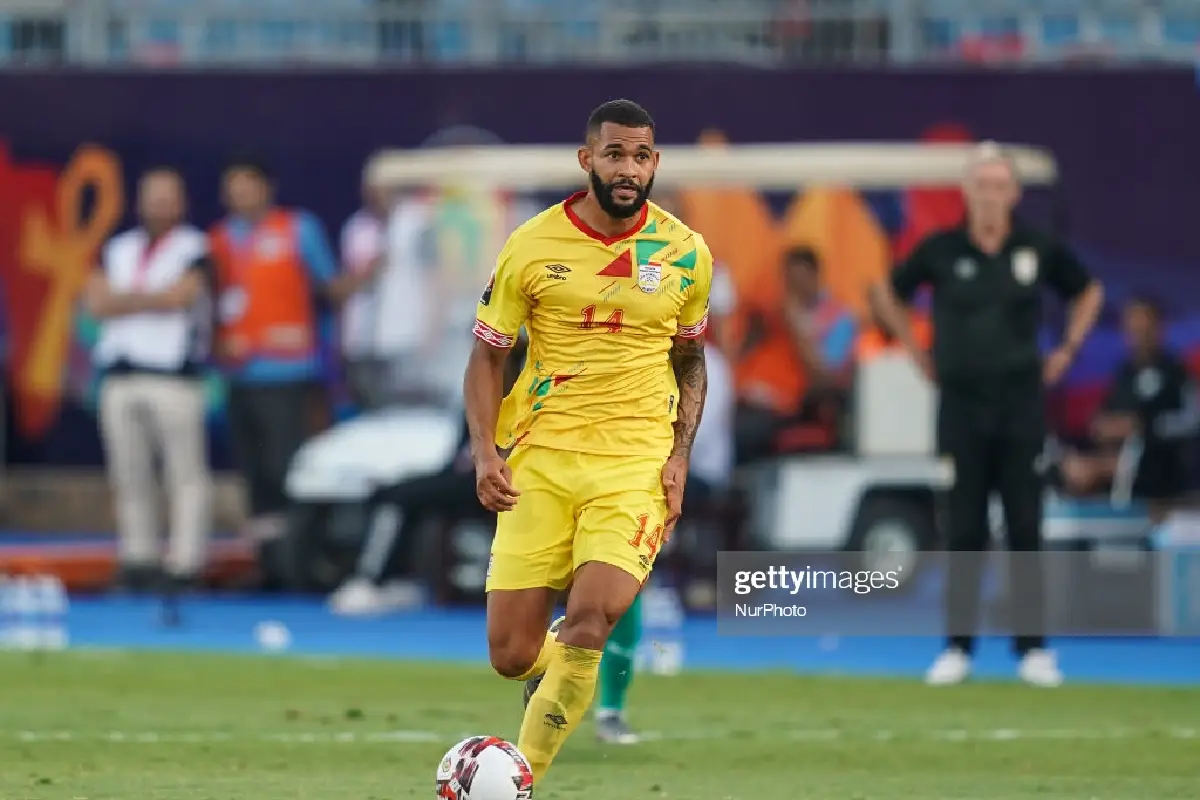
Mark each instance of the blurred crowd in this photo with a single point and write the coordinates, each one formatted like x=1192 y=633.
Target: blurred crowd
x=266 y=296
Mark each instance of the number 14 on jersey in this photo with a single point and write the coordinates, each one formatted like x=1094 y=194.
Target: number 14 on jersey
x=612 y=323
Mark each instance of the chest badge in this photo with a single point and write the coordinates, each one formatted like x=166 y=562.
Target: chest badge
x=1025 y=265
x=964 y=268
x=649 y=276
x=1148 y=384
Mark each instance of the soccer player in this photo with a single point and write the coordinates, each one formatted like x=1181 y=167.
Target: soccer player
x=616 y=675
x=613 y=293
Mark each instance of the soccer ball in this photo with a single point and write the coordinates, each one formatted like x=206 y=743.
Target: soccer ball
x=484 y=768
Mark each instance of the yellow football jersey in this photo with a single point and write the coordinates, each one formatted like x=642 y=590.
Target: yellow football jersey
x=600 y=314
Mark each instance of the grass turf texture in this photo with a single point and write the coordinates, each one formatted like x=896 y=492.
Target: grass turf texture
x=170 y=727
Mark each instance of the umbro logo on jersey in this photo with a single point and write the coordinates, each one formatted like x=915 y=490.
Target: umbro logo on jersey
x=557 y=272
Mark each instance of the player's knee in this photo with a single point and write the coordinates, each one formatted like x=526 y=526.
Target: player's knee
x=512 y=657
x=587 y=626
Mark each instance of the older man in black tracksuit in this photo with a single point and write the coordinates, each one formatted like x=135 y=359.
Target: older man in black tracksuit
x=988 y=278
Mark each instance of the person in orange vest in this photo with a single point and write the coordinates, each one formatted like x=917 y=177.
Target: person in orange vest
x=795 y=357
x=273 y=266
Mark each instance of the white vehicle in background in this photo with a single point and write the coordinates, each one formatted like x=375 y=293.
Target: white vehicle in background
x=335 y=473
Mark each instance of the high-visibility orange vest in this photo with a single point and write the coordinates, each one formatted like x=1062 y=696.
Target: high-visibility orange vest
x=774 y=365
x=265 y=305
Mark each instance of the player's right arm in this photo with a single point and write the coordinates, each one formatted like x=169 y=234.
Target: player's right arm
x=503 y=309
x=887 y=298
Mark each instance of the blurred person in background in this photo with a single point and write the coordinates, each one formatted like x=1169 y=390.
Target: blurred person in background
x=364 y=254
x=987 y=277
x=272 y=267
x=711 y=467
x=794 y=361
x=1149 y=420
x=384 y=577
x=152 y=297
x=408 y=302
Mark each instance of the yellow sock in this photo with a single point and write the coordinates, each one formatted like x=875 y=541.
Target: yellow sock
x=543 y=660
x=558 y=705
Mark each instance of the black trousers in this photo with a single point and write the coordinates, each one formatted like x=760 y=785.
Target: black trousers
x=756 y=428
x=269 y=423
x=994 y=440
x=396 y=512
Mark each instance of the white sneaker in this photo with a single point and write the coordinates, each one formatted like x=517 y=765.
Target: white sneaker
x=1040 y=668
x=611 y=728
x=951 y=667
x=359 y=597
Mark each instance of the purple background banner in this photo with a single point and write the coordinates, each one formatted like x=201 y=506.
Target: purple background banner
x=1126 y=141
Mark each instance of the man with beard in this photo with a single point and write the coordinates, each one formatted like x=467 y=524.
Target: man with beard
x=585 y=460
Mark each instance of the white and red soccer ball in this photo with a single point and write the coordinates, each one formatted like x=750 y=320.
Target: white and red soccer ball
x=484 y=768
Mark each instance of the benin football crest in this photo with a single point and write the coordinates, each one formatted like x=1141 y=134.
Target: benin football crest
x=649 y=276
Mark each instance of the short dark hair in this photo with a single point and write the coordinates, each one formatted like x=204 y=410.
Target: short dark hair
x=803 y=255
x=250 y=162
x=1148 y=301
x=625 y=113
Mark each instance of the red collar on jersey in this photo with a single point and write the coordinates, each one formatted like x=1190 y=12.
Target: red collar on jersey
x=592 y=232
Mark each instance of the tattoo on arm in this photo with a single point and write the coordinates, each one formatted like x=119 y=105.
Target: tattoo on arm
x=691 y=373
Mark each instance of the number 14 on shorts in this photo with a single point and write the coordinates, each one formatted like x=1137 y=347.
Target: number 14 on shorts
x=652 y=539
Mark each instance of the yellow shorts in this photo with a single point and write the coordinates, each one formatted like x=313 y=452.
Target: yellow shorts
x=576 y=508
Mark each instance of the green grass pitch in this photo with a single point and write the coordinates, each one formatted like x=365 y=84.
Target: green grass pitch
x=97 y=726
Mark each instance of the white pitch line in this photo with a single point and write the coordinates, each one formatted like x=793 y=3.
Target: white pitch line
x=430 y=737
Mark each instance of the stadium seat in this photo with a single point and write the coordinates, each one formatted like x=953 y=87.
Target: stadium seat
x=1182 y=27
x=1060 y=31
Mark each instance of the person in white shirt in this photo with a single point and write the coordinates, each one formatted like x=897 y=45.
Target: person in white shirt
x=408 y=303
x=153 y=300
x=363 y=253
x=713 y=451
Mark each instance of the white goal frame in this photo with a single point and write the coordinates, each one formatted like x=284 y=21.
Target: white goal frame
x=771 y=167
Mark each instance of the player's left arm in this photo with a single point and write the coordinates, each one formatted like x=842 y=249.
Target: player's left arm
x=687 y=354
